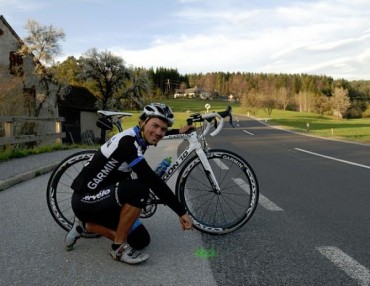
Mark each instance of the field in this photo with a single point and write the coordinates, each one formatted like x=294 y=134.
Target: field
x=325 y=126
x=309 y=123
x=182 y=109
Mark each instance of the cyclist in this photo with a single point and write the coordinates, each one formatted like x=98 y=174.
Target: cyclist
x=107 y=201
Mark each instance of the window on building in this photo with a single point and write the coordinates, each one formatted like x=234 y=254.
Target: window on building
x=15 y=64
x=29 y=100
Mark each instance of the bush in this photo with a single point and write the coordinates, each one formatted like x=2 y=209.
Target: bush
x=354 y=112
x=366 y=113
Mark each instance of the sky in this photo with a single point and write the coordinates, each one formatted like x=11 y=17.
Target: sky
x=320 y=37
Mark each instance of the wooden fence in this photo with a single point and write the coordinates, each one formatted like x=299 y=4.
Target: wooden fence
x=45 y=130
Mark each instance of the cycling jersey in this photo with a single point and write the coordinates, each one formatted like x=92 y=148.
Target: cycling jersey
x=115 y=161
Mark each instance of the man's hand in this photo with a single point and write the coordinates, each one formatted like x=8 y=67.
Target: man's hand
x=186 y=222
x=186 y=129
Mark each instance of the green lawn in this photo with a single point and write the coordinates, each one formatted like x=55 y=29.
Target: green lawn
x=326 y=126
x=182 y=109
x=309 y=123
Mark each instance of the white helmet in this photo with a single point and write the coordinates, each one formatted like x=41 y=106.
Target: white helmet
x=158 y=110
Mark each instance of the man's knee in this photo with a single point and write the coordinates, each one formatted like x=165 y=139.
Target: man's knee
x=134 y=194
x=139 y=237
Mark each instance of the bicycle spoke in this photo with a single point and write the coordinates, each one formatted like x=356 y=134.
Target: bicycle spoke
x=59 y=192
x=223 y=211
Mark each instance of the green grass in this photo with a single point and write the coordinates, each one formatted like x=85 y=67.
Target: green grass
x=325 y=126
x=182 y=109
x=309 y=123
x=18 y=153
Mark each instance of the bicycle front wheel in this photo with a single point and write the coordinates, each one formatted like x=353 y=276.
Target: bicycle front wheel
x=218 y=212
x=59 y=192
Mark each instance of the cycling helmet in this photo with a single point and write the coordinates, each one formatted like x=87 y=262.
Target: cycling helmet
x=158 y=110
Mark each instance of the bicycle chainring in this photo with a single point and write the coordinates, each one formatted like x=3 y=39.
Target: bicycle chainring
x=150 y=206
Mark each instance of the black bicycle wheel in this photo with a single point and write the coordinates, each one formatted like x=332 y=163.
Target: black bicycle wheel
x=218 y=212
x=59 y=192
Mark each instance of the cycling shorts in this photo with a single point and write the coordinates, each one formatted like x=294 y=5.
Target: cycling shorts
x=104 y=207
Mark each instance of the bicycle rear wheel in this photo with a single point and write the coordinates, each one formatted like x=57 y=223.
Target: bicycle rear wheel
x=218 y=212
x=59 y=192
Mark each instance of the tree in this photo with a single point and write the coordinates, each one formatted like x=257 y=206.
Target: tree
x=136 y=87
x=104 y=74
x=321 y=104
x=304 y=101
x=250 y=101
x=67 y=72
x=340 y=101
x=43 y=43
x=10 y=97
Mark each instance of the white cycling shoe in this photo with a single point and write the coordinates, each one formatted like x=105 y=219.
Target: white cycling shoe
x=125 y=253
x=74 y=234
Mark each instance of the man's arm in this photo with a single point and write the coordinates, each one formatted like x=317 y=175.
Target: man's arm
x=160 y=188
x=184 y=129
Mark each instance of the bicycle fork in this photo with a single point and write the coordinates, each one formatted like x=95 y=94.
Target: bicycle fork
x=208 y=170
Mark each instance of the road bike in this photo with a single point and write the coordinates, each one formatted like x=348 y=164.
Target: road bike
x=218 y=188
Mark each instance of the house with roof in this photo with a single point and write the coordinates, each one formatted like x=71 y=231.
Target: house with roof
x=80 y=115
x=21 y=91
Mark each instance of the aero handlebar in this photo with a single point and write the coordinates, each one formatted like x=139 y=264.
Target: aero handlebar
x=207 y=118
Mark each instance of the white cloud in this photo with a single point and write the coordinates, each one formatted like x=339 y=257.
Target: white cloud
x=306 y=37
x=329 y=37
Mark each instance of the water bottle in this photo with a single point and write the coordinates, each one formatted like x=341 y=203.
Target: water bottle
x=162 y=167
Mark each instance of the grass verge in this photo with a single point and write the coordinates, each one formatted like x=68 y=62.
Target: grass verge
x=18 y=153
x=357 y=130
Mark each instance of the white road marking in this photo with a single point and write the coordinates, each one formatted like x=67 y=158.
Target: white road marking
x=268 y=205
x=333 y=158
x=249 y=133
x=263 y=201
x=346 y=263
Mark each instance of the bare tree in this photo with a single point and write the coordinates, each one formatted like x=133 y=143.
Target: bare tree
x=104 y=74
x=136 y=87
x=305 y=101
x=43 y=44
x=268 y=103
x=284 y=96
x=251 y=101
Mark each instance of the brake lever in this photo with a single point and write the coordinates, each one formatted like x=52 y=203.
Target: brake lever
x=231 y=120
x=227 y=113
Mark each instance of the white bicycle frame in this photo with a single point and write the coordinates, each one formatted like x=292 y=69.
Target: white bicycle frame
x=194 y=140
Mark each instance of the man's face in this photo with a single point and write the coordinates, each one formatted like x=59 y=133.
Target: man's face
x=154 y=130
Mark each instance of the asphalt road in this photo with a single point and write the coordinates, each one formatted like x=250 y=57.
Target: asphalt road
x=32 y=249
x=311 y=226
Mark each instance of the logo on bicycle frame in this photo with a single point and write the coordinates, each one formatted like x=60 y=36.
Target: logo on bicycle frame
x=175 y=165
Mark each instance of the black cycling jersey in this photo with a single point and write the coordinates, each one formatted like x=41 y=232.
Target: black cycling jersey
x=114 y=162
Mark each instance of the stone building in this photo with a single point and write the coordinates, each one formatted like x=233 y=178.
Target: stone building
x=21 y=93
x=20 y=89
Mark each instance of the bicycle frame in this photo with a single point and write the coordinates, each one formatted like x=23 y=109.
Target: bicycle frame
x=213 y=211
x=194 y=145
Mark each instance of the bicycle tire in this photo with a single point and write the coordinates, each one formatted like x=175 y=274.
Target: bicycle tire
x=59 y=192
x=228 y=210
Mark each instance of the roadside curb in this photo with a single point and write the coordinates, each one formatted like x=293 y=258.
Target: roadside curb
x=9 y=182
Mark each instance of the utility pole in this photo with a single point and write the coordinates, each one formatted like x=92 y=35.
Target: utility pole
x=168 y=86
